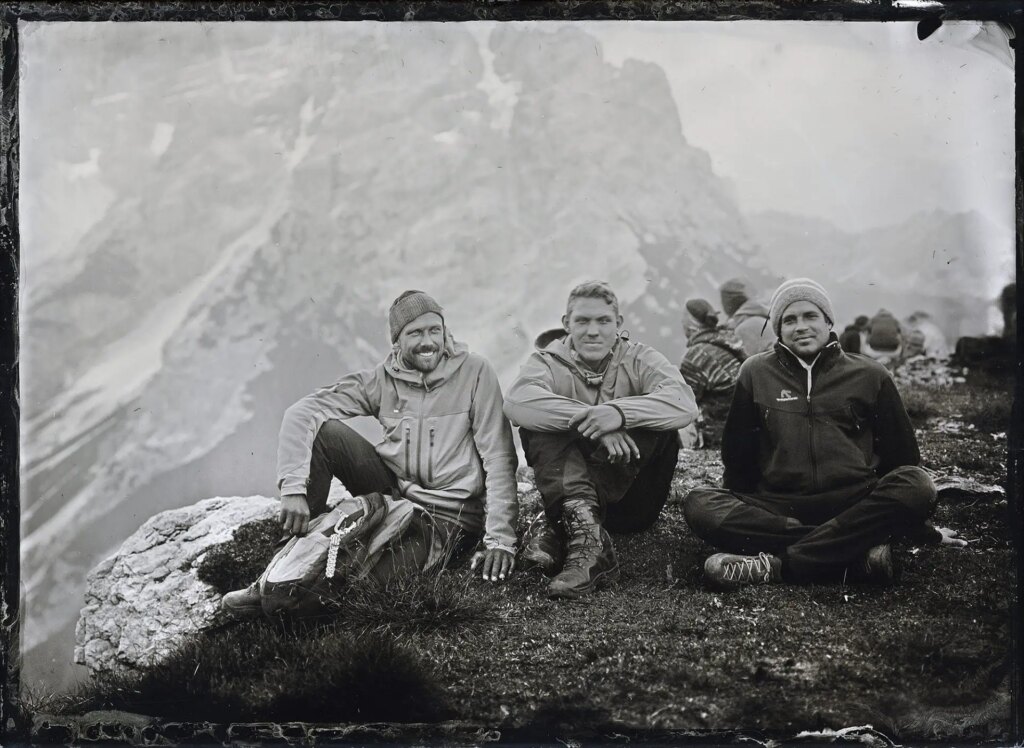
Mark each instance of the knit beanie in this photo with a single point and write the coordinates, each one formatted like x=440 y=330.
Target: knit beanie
x=407 y=307
x=702 y=313
x=798 y=289
x=734 y=295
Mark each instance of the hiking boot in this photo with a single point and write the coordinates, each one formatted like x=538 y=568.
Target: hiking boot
x=590 y=556
x=243 y=603
x=877 y=566
x=727 y=571
x=544 y=546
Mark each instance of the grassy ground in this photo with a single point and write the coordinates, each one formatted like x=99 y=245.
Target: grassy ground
x=656 y=655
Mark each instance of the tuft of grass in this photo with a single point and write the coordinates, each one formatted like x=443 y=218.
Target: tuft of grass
x=920 y=403
x=255 y=672
x=420 y=602
x=990 y=416
x=235 y=564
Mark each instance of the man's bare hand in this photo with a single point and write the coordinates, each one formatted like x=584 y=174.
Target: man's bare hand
x=497 y=564
x=294 y=514
x=596 y=421
x=949 y=537
x=620 y=447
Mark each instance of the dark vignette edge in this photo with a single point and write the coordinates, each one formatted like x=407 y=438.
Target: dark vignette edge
x=13 y=729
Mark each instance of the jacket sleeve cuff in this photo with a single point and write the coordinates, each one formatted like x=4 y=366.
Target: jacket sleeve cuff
x=621 y=414
x=292 y=487
x=494 y=545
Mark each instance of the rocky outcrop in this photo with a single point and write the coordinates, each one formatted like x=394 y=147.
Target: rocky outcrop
x=146 y=600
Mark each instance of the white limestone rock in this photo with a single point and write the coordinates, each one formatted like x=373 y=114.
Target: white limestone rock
x=145 y=601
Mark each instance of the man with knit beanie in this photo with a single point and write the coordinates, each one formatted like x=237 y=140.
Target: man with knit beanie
x=746 y=317
x=446 y=460
x=821 y=461
x=598 y=416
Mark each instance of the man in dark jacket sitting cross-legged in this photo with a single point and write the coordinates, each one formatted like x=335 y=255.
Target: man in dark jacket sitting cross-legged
x=821 y=461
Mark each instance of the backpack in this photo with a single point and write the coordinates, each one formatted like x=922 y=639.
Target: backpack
x=303 y=577
x=885 y=333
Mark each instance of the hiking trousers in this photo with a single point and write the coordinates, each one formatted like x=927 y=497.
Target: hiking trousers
x=816 y=537
x=340 y=452
x=567 y=465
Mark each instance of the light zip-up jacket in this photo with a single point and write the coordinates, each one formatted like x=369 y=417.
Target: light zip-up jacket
x=750 y=323
x=445 y=438
x=835 y=425
x=552 y=388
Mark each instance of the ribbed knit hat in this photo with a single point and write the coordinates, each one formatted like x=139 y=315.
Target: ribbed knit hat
x=734 y=295
x=798 y=289
x=407 y=307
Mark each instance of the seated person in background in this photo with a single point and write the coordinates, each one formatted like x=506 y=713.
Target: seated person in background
x=820 y=458
x=598 y=416
x=923 y=336
x=747 y=318
x=710 y=366
x=885 y=339
x=853 y=335
x=446 y=456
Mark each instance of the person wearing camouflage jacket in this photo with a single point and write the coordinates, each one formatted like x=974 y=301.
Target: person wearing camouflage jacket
x=710 y=366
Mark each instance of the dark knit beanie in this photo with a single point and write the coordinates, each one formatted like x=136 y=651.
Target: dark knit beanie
x=734 y=295
x=702 y=312
x=407 y=307
x=798 y=289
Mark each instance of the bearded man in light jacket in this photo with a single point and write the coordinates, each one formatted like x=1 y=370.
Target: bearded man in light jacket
x=446 y=457
x=598 y=416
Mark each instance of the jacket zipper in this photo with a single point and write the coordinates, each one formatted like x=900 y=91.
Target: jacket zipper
x=408 y=471
x=419 y=433
x=810 y=433
x=430 y=458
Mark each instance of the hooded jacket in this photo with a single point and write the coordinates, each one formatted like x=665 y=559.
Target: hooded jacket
x=712 y=362
x=748 y=322
x=835 y=428
x=445 y=438
x=552 y=388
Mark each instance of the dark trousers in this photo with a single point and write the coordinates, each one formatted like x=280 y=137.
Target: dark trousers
x=817 y=538
x=340 y=452
x=569 y=466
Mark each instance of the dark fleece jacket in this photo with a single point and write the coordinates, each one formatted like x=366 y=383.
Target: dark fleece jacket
x=841 y=434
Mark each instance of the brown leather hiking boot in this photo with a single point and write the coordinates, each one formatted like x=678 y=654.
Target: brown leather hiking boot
x=243 y=603
x=590 y=556
x=544 y=547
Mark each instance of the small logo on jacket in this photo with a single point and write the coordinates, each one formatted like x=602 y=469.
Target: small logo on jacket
x=785 y=396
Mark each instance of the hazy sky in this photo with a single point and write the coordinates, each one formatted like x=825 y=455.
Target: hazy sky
x=859 y=123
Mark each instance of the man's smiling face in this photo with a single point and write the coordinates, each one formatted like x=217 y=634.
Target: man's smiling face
x=421 y=342
x=804 y=329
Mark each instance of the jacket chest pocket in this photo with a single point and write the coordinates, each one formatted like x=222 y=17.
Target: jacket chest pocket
x=448 y=449
x=844 y=419
x=398 y=436
x=785 y=419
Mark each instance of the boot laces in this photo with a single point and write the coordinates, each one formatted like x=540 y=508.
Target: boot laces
x=749 y=569
x=579 y=541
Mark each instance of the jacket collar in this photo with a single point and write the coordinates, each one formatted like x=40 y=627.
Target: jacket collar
x=828 y=357
x=561 y=350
